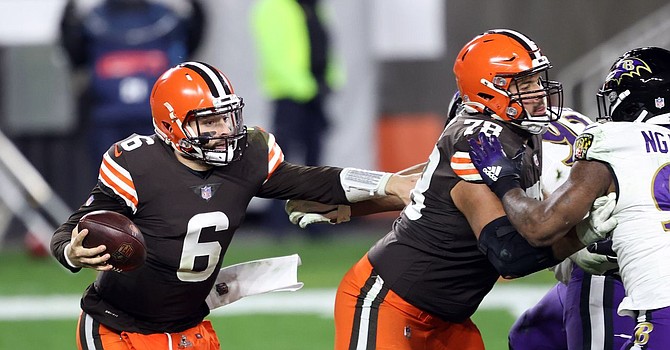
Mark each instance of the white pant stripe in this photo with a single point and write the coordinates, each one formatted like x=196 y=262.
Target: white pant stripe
x=88 y=332
x=596 y=312
x=363 y=329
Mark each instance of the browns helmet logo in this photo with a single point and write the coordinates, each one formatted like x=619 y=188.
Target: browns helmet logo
x=582 y=145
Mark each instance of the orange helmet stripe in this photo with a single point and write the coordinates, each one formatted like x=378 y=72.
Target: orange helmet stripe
x=218 y=83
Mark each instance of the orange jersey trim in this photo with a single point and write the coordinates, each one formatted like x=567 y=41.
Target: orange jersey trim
x=275 y=156
x=119 y=180
x=462 y=166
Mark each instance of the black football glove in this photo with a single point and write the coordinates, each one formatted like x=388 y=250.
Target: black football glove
x=500 y=173
x=603 y=247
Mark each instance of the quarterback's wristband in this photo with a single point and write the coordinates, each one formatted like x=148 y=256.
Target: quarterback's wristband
x=504 y=185
x=67 y=247
x=360 y=184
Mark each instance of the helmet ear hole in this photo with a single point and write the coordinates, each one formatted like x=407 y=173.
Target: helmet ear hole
x=632 y=109
x=485 y=96
x=167 y=126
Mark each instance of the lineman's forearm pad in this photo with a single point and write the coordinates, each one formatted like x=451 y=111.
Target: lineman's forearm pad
x=359 y=184
x=510 y=253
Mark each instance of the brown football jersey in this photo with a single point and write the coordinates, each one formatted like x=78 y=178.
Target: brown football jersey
x=430 y=258
x=188 y=219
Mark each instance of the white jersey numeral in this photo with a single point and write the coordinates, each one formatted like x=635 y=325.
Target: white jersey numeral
x=193 y=248
x=487 y=127
x=135 y=142
x=413 y=210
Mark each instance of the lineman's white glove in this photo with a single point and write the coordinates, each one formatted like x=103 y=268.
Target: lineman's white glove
x=305 y=213
x=595 y=264
x=599 y=223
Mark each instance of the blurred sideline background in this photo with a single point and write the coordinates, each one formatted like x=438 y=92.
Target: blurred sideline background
x=397 y=56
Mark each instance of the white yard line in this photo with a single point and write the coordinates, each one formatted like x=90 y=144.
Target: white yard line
x=513 y=298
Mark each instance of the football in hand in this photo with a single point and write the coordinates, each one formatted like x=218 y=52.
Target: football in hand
x=124 y=241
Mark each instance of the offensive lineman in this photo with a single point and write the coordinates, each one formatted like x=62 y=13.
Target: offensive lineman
x=579 y=312
x=628 y=156
x=419 y=285
x=187 y=188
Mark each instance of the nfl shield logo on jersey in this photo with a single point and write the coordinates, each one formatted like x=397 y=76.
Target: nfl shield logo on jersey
x=659 y=102
x=206 y=192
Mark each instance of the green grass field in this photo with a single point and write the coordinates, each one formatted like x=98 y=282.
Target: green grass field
x=324 y=263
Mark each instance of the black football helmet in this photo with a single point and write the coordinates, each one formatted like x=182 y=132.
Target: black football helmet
x=636 y=88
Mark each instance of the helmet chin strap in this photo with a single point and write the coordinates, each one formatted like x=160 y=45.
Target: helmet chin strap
x=535 y=128
x=220 y=158
x=640 y=118
x=476 y=107
x=619 y=99
x=473 y=107
x=191 y=161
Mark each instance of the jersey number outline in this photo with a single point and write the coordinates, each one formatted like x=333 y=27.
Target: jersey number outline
x=661 y=191
x=485 y=126
x=417 y=204
x=417 y=197
x=135 y=142
x=193 y=247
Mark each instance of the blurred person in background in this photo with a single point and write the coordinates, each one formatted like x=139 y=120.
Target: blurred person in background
x=297 y=72
x=121 y=47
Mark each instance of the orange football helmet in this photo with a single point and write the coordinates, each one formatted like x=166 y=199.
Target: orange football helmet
x=496 y=60
x=189 y=92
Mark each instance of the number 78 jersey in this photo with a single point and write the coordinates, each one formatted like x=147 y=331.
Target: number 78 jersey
x=639 y=158
x=513 y=139
x=430 y=258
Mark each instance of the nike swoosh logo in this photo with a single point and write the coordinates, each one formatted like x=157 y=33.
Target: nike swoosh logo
x=117 y=153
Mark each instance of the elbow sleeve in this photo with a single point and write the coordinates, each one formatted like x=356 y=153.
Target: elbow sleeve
x=510 y=254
